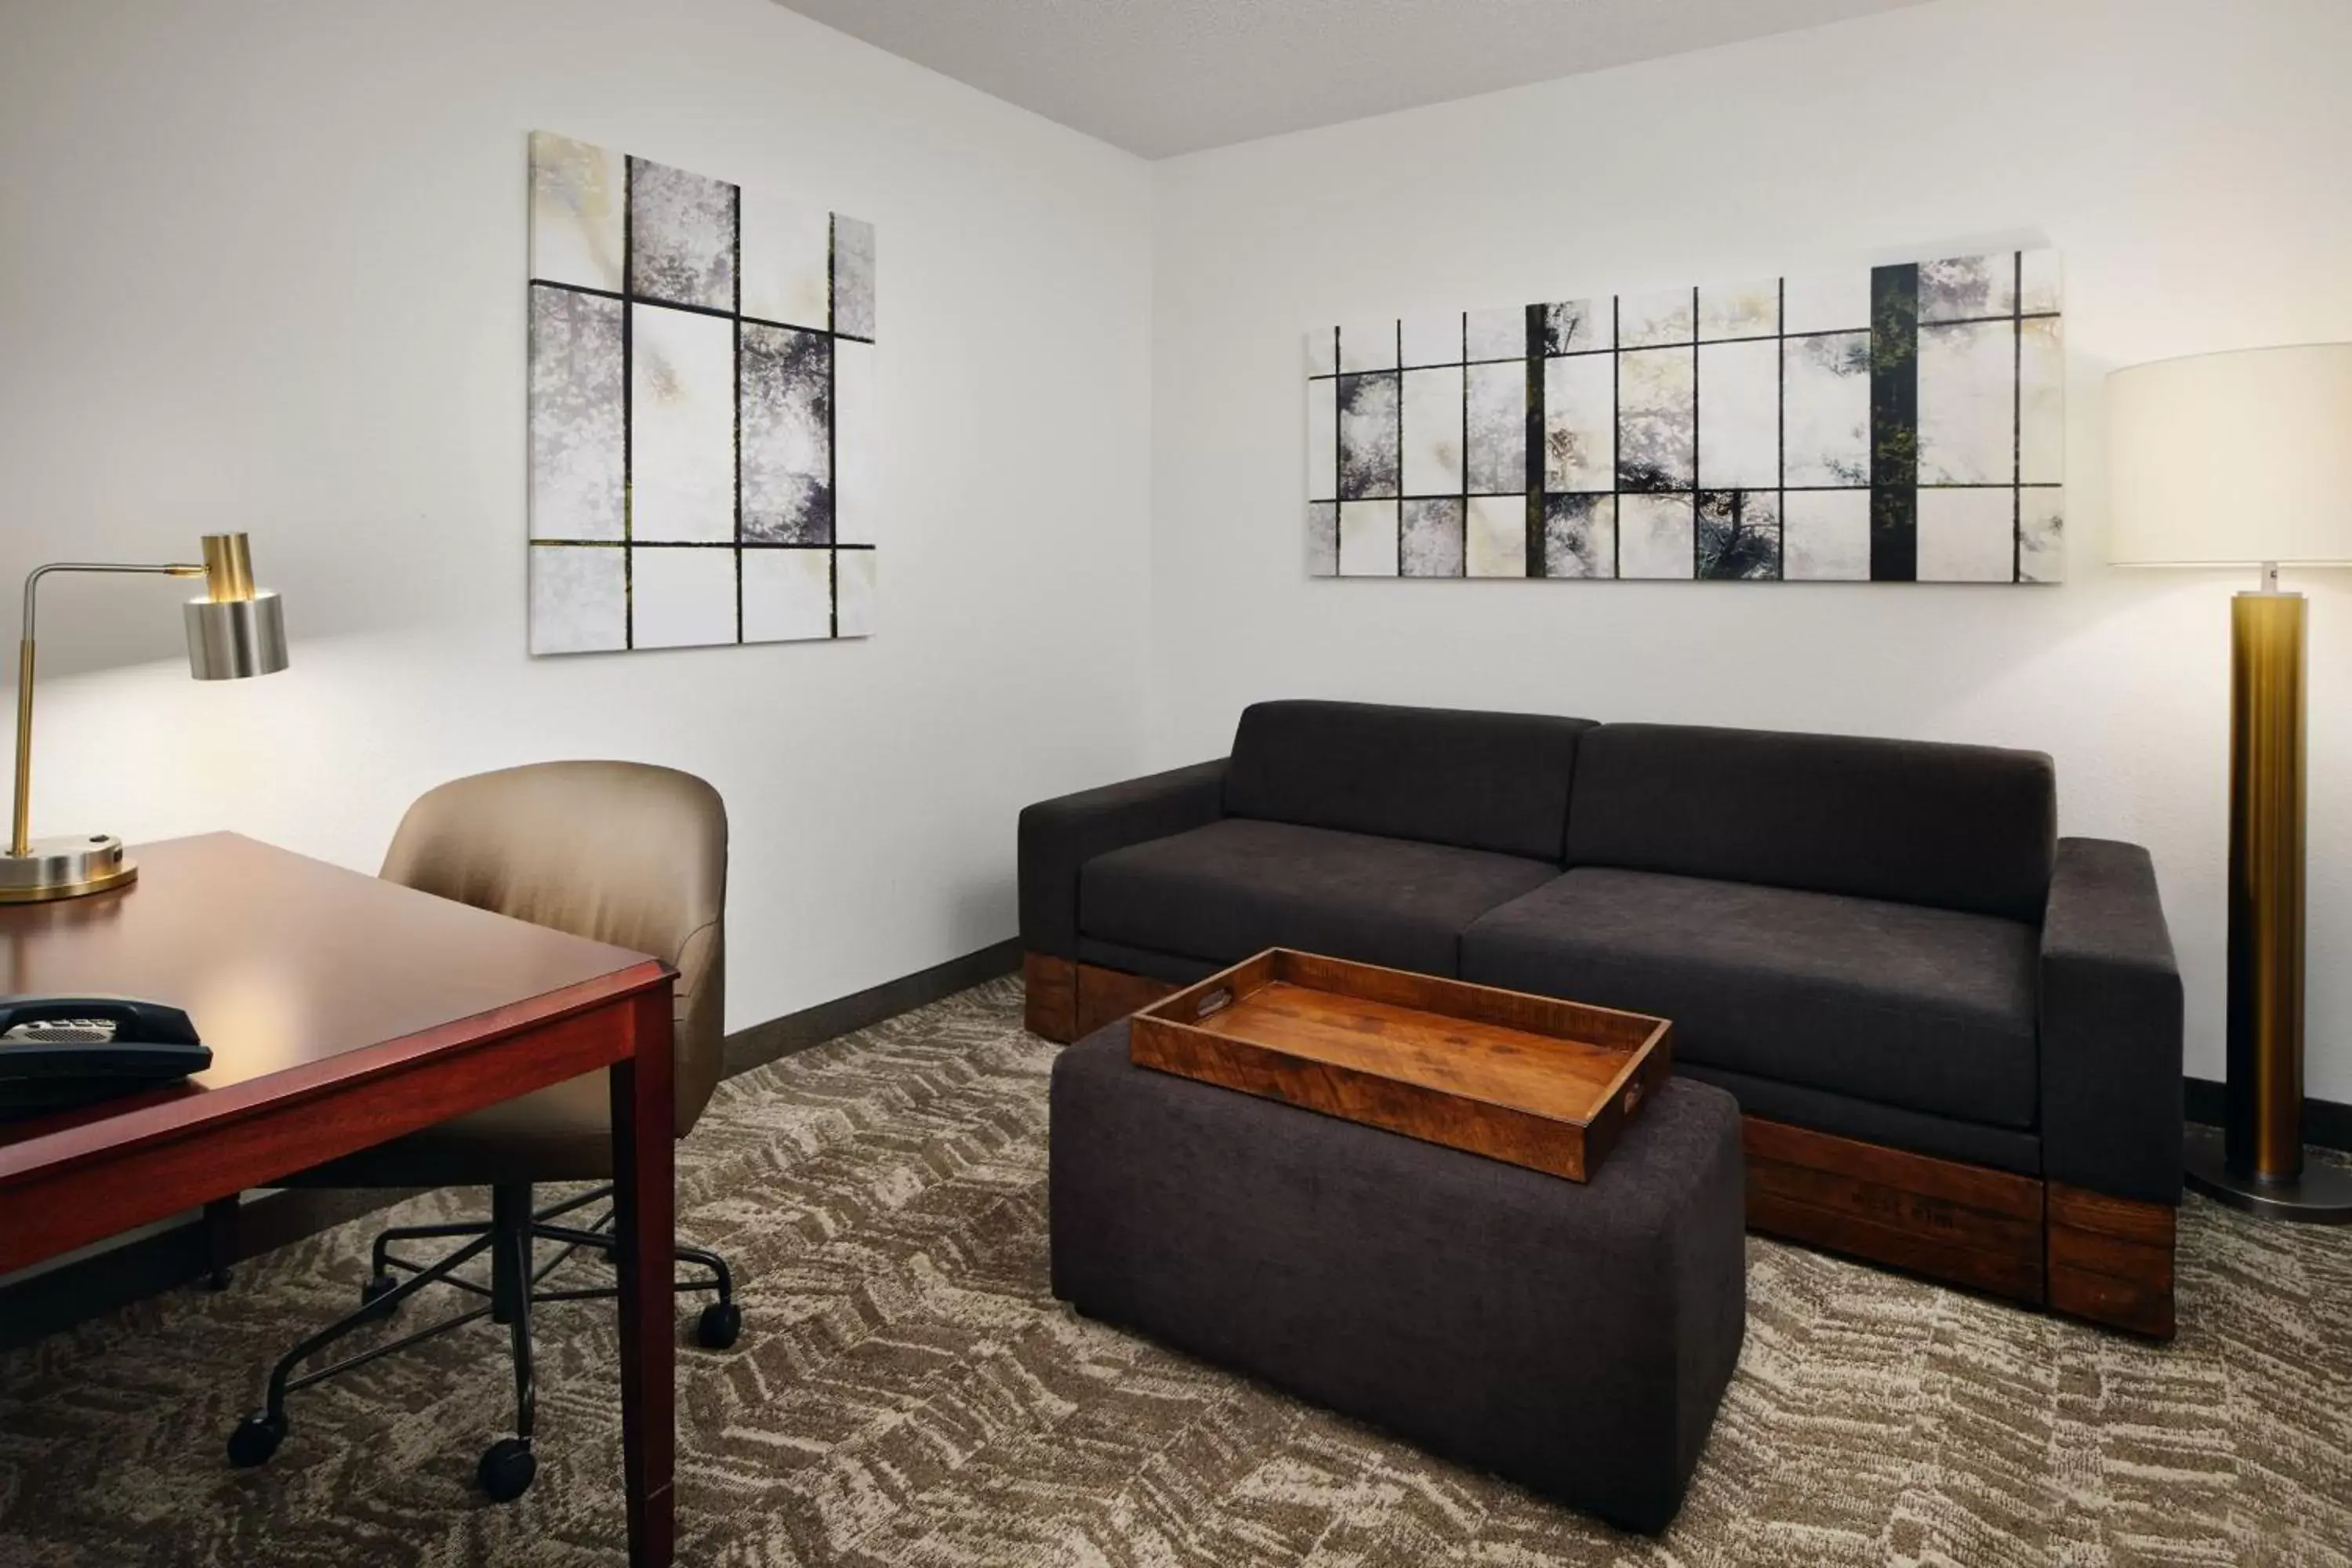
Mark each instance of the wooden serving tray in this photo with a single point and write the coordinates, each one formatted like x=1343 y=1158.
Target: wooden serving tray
x=1534 y=1081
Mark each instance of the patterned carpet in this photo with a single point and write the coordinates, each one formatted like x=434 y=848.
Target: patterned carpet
x=908 y=1392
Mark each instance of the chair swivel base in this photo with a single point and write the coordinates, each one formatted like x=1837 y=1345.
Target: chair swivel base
x=2322 y=1194
x=508 y=1465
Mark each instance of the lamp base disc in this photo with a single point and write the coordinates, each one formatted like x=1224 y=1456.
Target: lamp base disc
x=2321 y=1195
x=66 y=868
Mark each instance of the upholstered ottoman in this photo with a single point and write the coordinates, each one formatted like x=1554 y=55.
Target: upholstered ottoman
x=1573 y=1338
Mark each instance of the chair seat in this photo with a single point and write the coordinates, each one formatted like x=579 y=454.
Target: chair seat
x=560 y=1133
x=1928 y=1010
x=1238 y=885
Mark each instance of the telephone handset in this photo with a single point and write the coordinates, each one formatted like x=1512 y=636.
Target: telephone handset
x=62 y=1051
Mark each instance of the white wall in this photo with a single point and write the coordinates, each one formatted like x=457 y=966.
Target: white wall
x=2189 y=158
x=262 y=265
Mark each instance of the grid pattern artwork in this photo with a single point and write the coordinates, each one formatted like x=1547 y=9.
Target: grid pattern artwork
x=703 y=410
x=1885 y=424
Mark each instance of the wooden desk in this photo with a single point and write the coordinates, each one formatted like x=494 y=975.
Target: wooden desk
x=342 y=1011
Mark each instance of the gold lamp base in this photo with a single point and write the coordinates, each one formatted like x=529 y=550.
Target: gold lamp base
x=2316 y=1195
x=64 y=869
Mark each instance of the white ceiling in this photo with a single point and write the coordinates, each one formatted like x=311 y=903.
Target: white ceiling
x=1162 y=77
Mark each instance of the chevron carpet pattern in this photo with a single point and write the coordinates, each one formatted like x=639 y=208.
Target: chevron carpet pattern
x=908 y=1391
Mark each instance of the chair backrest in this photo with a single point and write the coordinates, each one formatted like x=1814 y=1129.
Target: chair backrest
x=618 y=852
x=1443 y=775
x=1913 y=822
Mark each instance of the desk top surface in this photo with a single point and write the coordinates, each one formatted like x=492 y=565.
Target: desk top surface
x=285 y=963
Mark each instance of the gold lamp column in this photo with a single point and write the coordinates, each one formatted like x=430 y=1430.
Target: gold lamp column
x=2245 y=458
x=2267 y=785
x=234 y=630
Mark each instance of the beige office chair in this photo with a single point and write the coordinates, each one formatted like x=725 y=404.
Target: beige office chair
x=620 y=852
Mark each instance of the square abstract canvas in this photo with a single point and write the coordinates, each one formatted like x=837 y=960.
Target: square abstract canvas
x=1884 y=424
x=703 y=412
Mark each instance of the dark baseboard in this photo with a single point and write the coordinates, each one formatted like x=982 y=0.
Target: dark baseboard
x=764 y=1043
x=181 y=1254
x=2325 y=1123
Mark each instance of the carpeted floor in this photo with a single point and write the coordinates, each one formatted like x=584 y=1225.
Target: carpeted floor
x=908 y=1391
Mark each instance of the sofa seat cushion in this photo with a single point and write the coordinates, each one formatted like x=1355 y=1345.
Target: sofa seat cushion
x=1239 y=886
x=1930 y=1010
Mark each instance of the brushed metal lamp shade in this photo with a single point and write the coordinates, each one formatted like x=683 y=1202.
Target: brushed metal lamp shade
x=231 y=639
x=234 y=631
x=2245 y=458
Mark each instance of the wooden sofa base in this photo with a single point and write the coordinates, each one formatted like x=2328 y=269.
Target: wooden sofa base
x=2106 y=1260
x=2081 y=1254
x=1067 y=1000
x=2111 y=1260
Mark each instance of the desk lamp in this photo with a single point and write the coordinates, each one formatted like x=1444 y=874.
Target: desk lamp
x=2245 y=458
x=234 y=631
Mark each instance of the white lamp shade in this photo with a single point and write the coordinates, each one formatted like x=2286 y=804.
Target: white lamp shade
x=2232 y=459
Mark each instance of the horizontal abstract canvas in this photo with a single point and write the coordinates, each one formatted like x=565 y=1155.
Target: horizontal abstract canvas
x=704 y=463
x=1884 y=424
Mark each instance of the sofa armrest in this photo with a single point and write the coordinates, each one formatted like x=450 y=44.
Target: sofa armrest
x=1058 y=837
x=2110 y=1027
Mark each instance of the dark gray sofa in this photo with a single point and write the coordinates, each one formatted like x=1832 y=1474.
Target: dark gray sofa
x=1956 y=1036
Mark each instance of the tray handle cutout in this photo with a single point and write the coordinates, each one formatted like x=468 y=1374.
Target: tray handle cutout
x=1216 y=1001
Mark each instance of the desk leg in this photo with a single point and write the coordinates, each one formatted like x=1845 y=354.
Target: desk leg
x=221 y=1239
x=643 y=1198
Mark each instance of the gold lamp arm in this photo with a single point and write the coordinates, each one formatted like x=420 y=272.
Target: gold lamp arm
x=20 y=835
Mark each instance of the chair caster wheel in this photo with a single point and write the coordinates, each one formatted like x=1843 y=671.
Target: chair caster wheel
x=255 y=1438
x=373 y=1293
x=721 y=1326
x=507 y=1468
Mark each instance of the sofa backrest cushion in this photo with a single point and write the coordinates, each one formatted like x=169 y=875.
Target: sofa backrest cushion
x=1915 y=822
x=1442 y=775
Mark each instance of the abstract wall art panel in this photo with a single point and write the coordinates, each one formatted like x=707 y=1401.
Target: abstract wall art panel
x=1880 y=423
x=705 y=417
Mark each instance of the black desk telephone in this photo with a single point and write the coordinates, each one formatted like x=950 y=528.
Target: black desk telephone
x=61 y=1051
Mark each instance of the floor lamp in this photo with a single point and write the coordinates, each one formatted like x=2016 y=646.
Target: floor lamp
x=2245 y=458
